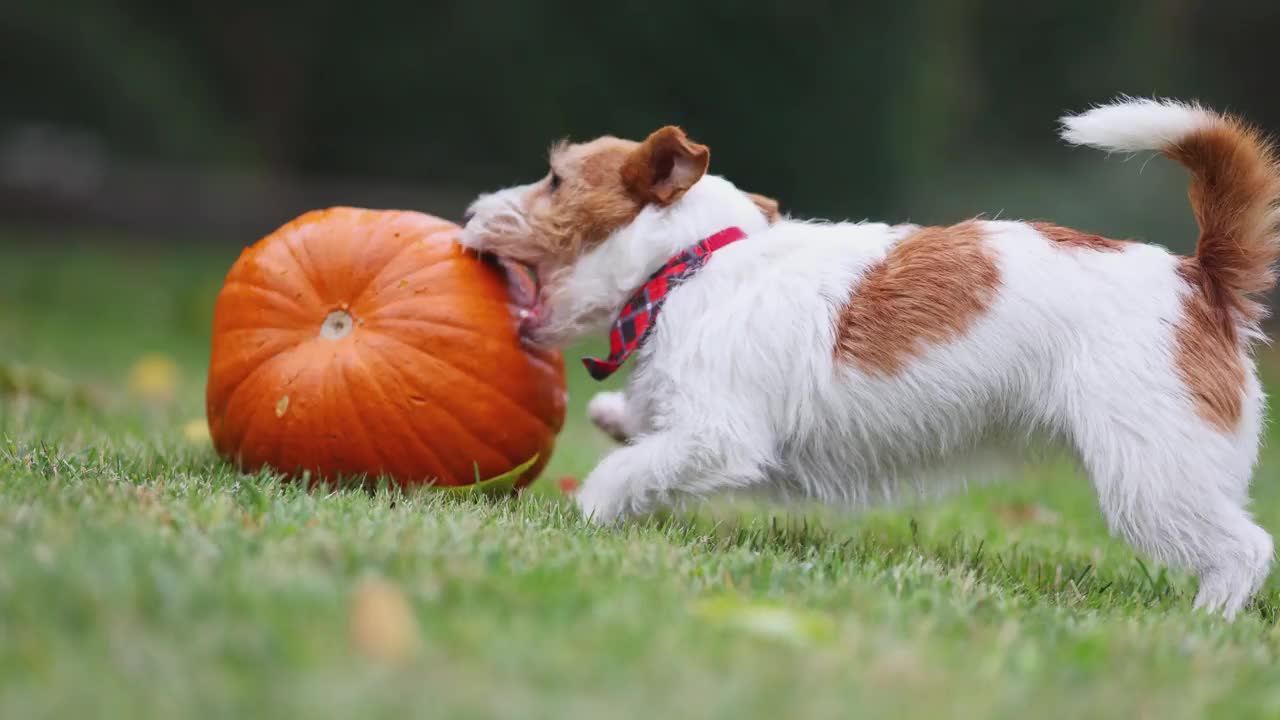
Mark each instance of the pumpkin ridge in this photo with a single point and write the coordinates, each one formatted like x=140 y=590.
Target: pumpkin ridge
x=268 y=328
x=280 y=437
x=474 y=380
x=373 y=279
x=292 y=302
x=297 y=278
x=377 y=386
x=450 y=296
x=228 y=392
x=246 y=432
x=231 y=394
x=440 y=412
x=421 y=268
x=303 y=273
x=452 y=326
x=265 y=361
x=358 y=295
x=429 y=321
x=359 y=420
x=307 y=269
x=270 y=291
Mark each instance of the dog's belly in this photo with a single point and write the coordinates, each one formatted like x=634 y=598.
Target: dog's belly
x=866 y=472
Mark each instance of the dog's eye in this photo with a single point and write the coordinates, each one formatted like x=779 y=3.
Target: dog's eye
x=554 y=182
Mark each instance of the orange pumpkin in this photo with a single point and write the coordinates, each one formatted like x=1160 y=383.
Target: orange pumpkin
x=357 y=341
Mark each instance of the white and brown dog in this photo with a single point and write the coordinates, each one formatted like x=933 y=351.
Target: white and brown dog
x=849 y=363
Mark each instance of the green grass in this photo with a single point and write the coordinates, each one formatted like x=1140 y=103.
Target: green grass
x=142 y=577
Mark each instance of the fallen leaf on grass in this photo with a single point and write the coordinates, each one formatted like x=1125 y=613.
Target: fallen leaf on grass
x=1017 y=514
x=792 y=625
x=501 y=486
x=154 y=378
x=197 y=432
x=383 y=626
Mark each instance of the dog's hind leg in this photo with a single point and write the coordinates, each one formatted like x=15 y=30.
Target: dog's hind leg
x=1177 y=490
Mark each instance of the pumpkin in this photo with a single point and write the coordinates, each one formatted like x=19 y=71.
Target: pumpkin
x=369 y=342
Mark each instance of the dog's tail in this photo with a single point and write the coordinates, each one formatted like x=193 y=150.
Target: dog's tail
x=1235 y=185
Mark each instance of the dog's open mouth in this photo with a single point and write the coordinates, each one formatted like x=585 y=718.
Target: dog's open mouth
x=522 y=285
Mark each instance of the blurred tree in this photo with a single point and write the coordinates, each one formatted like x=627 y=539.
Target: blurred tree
x=87 y=65
x=841 y=109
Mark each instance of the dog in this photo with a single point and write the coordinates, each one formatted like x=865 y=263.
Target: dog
x=849 y=363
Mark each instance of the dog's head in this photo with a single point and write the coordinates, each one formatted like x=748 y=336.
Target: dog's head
x=607 y=214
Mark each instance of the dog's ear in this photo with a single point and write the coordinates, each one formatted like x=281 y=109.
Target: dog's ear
x=767 y=205
x=665 y=166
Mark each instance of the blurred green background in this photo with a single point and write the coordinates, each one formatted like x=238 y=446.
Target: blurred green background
x=221 y=120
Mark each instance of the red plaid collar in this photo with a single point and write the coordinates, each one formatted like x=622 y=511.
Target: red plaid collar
x=639 y=315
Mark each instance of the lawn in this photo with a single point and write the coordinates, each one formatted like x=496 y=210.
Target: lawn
x=142 y=577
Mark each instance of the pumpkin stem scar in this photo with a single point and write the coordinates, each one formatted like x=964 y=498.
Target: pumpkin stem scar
x=337 y=325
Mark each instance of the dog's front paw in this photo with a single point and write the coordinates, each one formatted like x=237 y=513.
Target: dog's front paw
x=608 y=411
x=598 y=504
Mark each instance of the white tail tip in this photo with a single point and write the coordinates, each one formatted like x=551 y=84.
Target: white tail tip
x=1133 y=125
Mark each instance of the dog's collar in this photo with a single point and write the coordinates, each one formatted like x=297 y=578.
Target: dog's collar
x=639 y=315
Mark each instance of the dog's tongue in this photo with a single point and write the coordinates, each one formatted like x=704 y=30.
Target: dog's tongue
x=522 y=285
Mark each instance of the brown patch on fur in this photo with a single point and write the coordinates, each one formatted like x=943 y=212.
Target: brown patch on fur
x=1068 y=238
x=928 y=290
x=1208 y=351
x=665 y=166
x=767 y=205
x=1235 y=185
x=597 y=187
x=581 y=202
x=1234 y=188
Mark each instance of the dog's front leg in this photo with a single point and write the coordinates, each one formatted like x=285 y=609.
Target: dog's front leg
x=633 y=480
x=663 y=468
x=609 y=412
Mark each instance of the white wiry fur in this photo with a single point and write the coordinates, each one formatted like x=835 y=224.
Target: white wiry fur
x=1133 y=125
x=738 y=388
